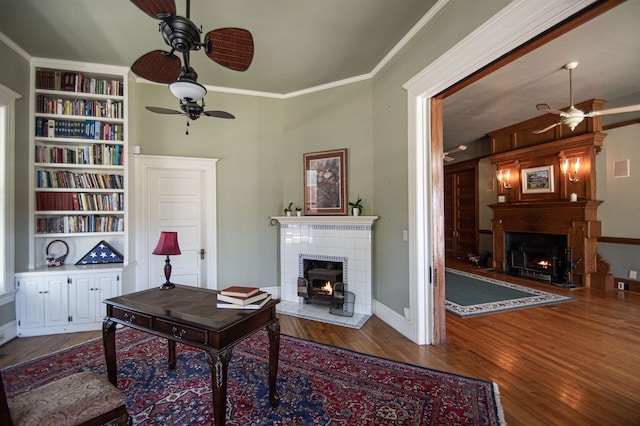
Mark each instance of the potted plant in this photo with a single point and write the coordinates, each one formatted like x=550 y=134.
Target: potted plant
x=287 y=209
x=356 y=207
x=298 y=211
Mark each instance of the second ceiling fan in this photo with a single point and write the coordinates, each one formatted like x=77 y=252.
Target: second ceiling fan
x=231 y=48
x=573 y=116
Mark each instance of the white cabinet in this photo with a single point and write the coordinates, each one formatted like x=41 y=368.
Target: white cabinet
x=59 y=300
x=86 y=293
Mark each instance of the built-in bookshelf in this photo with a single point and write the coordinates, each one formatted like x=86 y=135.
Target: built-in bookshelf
x=79 y=157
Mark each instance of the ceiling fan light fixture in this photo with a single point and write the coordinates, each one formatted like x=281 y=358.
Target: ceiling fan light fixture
x=187 y=90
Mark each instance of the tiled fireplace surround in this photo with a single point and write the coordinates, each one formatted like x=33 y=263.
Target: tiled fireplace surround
x=347 y=239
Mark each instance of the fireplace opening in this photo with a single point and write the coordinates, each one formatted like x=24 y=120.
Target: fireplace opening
x=317 y=285
x=544 y=257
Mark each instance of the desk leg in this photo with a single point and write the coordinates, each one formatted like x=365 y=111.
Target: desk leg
x=109 y=342
x=219 y=362
x=273 y=330
x=171 y=361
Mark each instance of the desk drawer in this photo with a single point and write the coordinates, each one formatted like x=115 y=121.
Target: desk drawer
x=132 y=317
x=182 y=332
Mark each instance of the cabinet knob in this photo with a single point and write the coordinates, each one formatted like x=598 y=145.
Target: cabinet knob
x=129 y=318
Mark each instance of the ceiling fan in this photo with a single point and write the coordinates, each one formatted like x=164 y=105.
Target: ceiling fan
x=448 y=158
x=230 y=47
x=573 y=116
x=192 y=110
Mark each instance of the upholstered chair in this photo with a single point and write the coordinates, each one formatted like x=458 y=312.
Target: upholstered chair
x=79 y=399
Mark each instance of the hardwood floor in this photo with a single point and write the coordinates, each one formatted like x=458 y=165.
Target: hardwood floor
x=574 y=363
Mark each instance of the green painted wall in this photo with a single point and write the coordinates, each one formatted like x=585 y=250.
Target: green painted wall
x=14 y=74
x=331 y=119
x=390 y=163
x=250 y=166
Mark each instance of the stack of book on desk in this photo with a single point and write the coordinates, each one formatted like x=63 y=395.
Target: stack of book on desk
x=237 y=297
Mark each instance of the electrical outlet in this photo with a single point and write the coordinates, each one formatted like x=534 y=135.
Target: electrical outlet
x=406 y=314
x=620 y=285
x=633 y=275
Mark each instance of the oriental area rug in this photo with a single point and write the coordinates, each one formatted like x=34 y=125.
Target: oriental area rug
x=468 y=294
x=318 y=385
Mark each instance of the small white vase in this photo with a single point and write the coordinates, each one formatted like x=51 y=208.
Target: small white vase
x=288 y=213
x=299 y=213
x=356 y=211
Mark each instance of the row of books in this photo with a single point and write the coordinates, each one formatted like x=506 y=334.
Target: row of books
x=85 y=107
x=77 y=82
x=67 y=179
x=78 y=224
x=83 y=129
x=48 y=201
x=98 y=154
x=238 y=297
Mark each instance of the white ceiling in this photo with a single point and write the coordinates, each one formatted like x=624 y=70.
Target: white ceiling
x=301 y=44
x=607 y=49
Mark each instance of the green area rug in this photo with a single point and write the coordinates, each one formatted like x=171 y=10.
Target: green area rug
x=469 y=295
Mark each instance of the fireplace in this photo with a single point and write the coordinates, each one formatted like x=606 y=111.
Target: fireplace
x=341 y=239
x=543 y=257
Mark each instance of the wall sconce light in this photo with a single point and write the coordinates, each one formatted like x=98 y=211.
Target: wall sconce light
x=504 y=177
x=571 y=169
x=167 y=245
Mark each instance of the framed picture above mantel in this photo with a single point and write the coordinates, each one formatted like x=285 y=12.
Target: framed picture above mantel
x=537 y=180
x=325 y=183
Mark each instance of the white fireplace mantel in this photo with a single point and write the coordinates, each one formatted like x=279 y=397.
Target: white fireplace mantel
x=326 y=220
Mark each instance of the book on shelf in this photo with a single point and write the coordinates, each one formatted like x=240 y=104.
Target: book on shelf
x=239 y=291
x=243 y=300
x=253 y=306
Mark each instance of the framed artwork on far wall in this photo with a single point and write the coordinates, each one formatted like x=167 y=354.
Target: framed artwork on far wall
x=325 y=183
x=537 y=180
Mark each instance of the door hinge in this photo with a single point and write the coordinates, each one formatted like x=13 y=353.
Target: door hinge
x=69 y=280
x=202 y=254
x=118 y=277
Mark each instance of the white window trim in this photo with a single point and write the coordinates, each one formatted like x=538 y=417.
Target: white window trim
x=7 y=103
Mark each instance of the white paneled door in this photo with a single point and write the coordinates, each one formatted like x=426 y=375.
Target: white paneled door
x=178 y=195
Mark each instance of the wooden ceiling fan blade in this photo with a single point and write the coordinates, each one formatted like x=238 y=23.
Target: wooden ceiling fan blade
x=230 y=47
x=628 y=108
x=547 y=108
x=537 y=132
x=160 y=110
x=219 y=114
x=157 y=9
x=158 y=66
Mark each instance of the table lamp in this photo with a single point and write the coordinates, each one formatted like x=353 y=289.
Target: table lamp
x=167 y=245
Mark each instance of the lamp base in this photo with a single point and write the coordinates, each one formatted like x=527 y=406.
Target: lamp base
x=167 y=286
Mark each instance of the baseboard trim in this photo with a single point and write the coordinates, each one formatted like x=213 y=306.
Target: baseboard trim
x=394 y=319
x=9 y=331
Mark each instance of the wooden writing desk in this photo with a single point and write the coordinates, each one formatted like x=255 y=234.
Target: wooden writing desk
x=189 y=315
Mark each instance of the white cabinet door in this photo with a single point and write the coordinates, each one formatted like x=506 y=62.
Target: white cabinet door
x=108 y=286
x=82 y=291
x=30 y=302
x=56 y=305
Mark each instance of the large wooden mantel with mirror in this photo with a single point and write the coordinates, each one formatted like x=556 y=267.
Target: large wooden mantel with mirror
x=563 y=204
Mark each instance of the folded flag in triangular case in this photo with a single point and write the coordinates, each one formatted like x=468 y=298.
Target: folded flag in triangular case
x=101 y=253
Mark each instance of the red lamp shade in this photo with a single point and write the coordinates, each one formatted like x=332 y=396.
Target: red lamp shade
x=167 y=244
